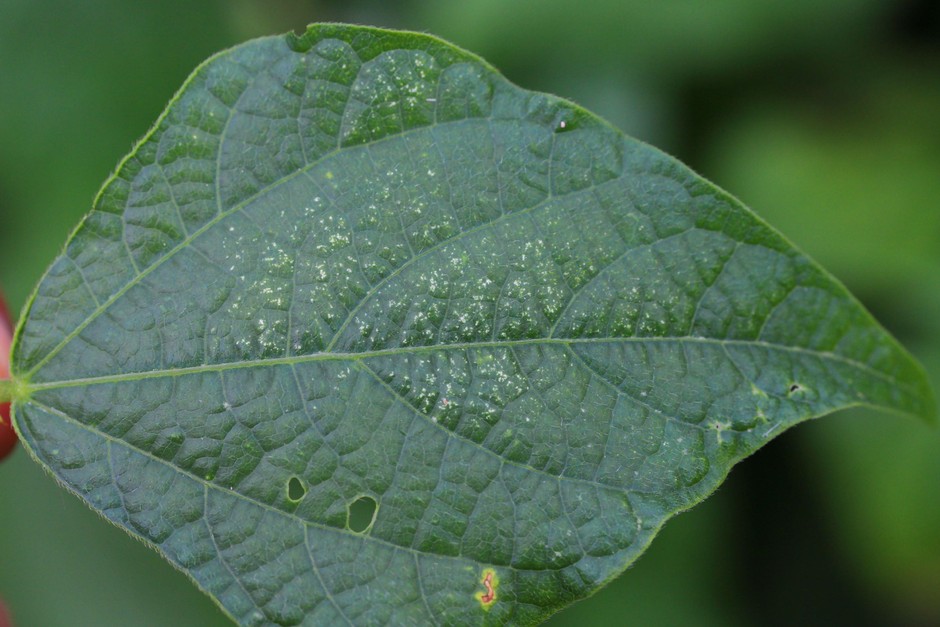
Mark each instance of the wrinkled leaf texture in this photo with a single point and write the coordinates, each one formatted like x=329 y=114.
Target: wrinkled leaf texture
x=360 y=263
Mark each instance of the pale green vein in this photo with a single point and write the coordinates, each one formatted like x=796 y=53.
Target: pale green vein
x=316 y=571
x=308 y=523
x=100 y=309
x=479 y=446
x=462 y=235
x=466 y=346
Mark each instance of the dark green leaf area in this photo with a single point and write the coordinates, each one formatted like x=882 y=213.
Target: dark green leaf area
x=362 y=333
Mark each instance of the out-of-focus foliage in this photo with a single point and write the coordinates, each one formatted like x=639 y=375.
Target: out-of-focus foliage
x=823 y=116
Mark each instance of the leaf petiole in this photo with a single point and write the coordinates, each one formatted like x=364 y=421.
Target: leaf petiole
x=11 y=390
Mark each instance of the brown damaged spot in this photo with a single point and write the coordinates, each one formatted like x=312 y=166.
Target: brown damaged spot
x=490 y=582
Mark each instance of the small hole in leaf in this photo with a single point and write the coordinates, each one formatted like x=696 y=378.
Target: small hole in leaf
x=295 y=489
x=361 y=514
x=795 y=387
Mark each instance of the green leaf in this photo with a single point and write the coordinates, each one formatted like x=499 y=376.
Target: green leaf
x=361 y=332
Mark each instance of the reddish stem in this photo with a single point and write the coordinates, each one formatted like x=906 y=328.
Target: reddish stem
x=7 y=434
x=5 y=620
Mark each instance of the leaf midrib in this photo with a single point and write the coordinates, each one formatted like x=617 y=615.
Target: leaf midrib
x=409 y=350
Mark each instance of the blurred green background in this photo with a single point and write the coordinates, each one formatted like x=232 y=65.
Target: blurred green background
x=822 y=115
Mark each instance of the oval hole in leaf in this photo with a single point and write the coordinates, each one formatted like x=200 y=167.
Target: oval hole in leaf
x=296 y=490
x=361 y=514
